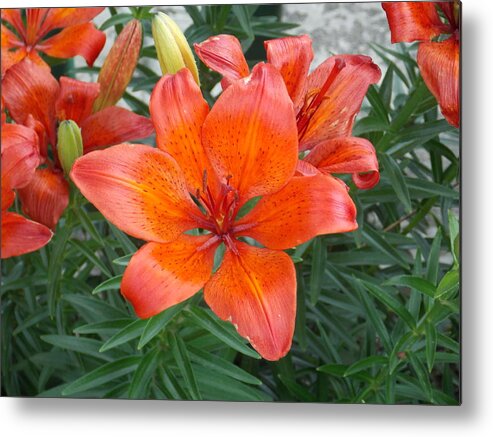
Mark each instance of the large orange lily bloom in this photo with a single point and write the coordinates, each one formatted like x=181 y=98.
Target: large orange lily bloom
x=208 y=165
x=27 y=37
x=35 y=98
x=20 y=157
x=438 y=61
x=326 y=100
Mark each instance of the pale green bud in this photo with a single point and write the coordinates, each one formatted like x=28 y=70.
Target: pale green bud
x=173 y=51
x=69 y=146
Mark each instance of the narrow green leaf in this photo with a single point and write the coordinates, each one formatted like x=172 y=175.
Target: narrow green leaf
x=116 y=19
x=317 y=271
x=418 y=284
x=87 y=346
x=433 y=262
x=182 y=359
x=394 y=173
x=123 y=260
x=207 y=322
x=143 y=375
x=431 y=345
x=110 y=284
x=221 y=366
x=103 y=328
x=422 y=376
x=375 y=239
x=365 y=363
x=391 y=303
x=448 y=285
x=103 y=374
x=131 y=331
x=157 y=323
x=91 y=256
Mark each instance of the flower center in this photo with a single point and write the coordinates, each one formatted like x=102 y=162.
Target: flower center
x=314 y=98
x=220 y=209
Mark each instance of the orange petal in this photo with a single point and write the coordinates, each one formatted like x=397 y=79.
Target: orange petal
x=119 y=65
x=256 y=291
x=347 y=155
x=76 y=99
x=20 y=155
x=82 y=39
x=178 y=111
x=58 y=18
x=140 y=189
x=292 y=56
x=45 y=198
x=306 y=207
x=247 y=140
x=28 y=88
x=439 y=66
x=335 y=115
x=14 y=18
x=10 y=58
x=114 y=125
x=223 y=53
x=20 y=235
x=162 y=275
x=413 y=21
x=9 y=39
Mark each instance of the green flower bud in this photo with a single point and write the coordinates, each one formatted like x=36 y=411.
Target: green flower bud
x=69 y=146
x=173 y=51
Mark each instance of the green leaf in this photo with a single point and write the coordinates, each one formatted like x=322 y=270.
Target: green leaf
x=97 y=308
x=87 y=346
x=180 y=353
x=110 y=284
x=365 y=363
x=221 y=366
x=433 y=263
x=418 y=284
x=391 y=303
x=116 y=19
x=123 y=260
x=317 y=272
x=216 y=328
x=131 y=331
x=377 y=104
x=422 y=376
x=448 y=285
x=431 y=345
x=103 y=374
x=55 y=265
x=157 y=323
x=394 y=173
x=375 y=239
x=106 y=327
x=143 y=375
x=91 y=256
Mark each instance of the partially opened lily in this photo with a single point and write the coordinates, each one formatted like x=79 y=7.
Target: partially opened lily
x=27 y=36
x=20 y=157
x=208 y=165
x=35 y=98
x=438 y=60
x=326 y=100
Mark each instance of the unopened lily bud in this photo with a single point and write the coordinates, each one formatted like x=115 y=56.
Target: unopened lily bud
x=119 y=65
x=173 y=51
x=69 y=145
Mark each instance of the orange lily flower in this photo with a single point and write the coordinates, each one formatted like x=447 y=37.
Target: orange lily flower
x=20 y=157
x=35 y=98
x=208 y=165
x=326 y=100
x=26 y=38
x=438 y=61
